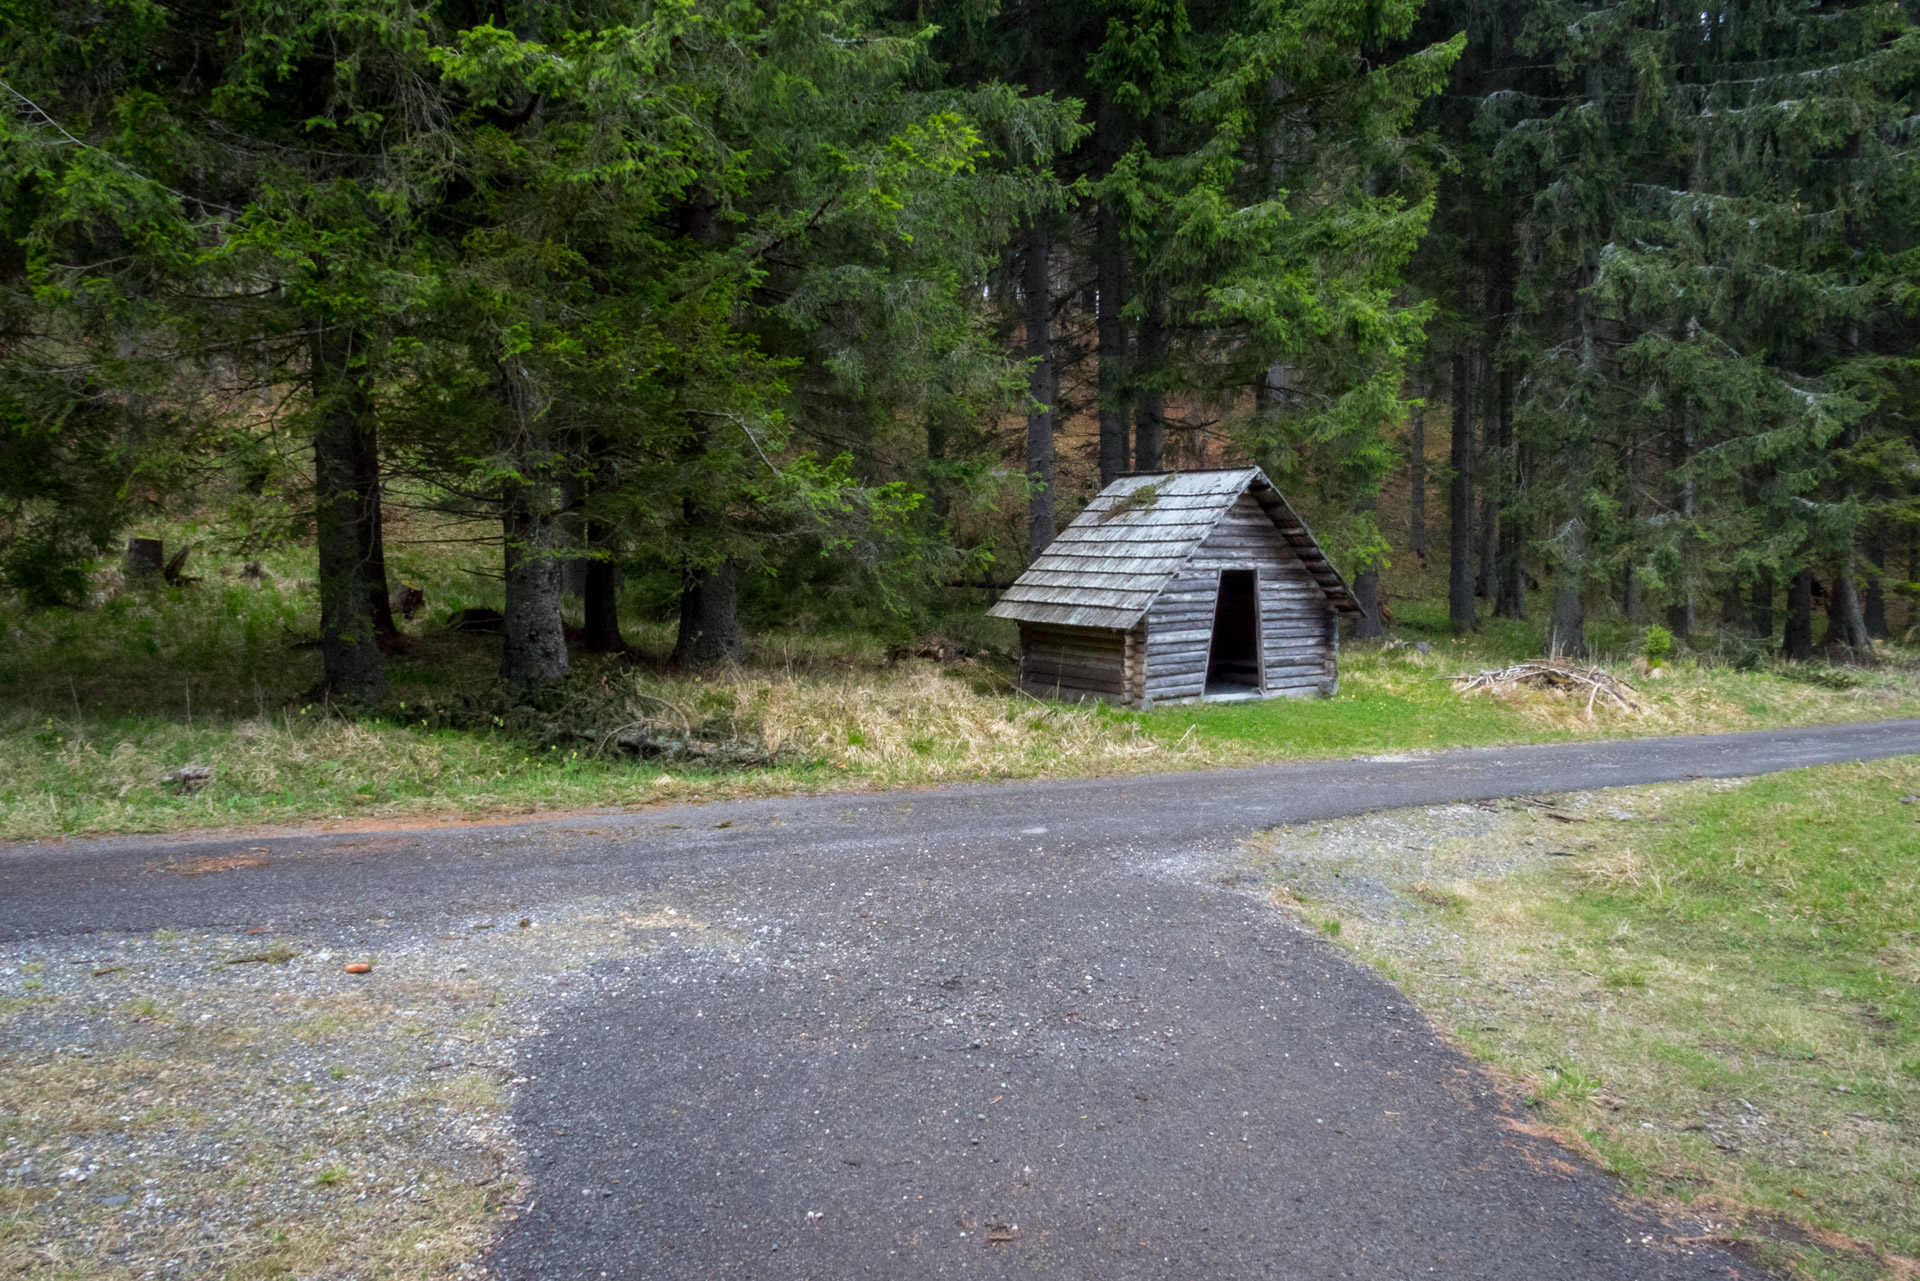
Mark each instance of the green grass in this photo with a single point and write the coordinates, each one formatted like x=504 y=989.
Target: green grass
x=1718 y=996
x=101 y=704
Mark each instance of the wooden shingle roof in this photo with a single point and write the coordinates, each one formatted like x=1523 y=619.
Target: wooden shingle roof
x=1106 y=568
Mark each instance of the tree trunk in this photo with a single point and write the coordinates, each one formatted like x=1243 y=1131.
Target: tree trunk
x=143 y=559
x=601 y=596
x=1110 y=286
x=1853 y=622
x=1680 y=614
x=534 y=653
x=349 y=654
x=1039 y=297
x=1797 y=644
x=1875 y=607
x=710 y=618
x=373 y=549
x=1149 y=399
x=1763 y=604
x=1567 y=630
x=1486 y=468
x=1509 y=588
x=1366 y=590
x=1417 y=474
x=1460 y=604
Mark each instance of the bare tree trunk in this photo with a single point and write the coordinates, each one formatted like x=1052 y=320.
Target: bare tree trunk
x=710 y=618
x=1853 y=622
x=709 y=593
x=1149 y=400
x=350 y=656
x=600 y=579
x=1509 y=558
x=1039 y=297
x=1567 y=629
x=1460 y=604
x=1797 y=644
x=601 y=597
x=373 y=549
x=534 y=653
x=1681 y=619
x=1486 y=475
x=1875 y=606
x=1763 y=604
x=1110 y=284
x=1417 y=472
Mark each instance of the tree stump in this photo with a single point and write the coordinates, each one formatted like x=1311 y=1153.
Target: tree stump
x=143 y=559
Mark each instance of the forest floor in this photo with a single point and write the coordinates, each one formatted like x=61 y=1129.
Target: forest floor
x=102 y=705
x=1707 y=987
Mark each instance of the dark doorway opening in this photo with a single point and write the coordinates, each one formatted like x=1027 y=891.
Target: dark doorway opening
x=1233 y=663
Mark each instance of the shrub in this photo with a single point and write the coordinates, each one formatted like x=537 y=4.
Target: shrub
x=1657 y=646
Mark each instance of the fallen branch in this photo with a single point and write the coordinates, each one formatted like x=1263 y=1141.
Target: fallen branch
x=1554 y=675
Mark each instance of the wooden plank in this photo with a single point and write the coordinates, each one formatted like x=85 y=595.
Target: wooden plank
x=1161 y=558
x=1085 y=657
x=1040 y=652
x=1126 y=581
x=1065 y=695
x=1176 y=693
x=1117 y=532
x=1086 y=677
x=1102 y=679
x=1099 y=635
x=1070 y=690
x=1293 y=672
x=1090 y=643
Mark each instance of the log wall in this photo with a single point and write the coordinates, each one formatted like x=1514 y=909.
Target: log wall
x=1299 y=634
x=1074 y=663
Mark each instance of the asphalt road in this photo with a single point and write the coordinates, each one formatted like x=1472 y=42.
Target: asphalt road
x=1036 y=1030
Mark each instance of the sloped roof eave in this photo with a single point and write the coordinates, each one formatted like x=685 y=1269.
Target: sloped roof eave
x=1155 y=537
x=1060 y=615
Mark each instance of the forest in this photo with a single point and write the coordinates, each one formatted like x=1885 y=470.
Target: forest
x=722 y=315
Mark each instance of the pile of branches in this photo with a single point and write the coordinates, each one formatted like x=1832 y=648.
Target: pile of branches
x=1552 y=674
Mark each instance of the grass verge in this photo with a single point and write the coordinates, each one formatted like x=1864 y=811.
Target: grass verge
x=101 y=706
x=1710 y=987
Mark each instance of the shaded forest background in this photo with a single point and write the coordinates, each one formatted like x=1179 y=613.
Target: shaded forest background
x=685 y=311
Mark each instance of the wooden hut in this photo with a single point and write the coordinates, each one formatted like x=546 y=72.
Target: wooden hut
x=1177 y=587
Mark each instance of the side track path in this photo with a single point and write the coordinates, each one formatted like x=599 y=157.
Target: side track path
x=1015 y=1030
